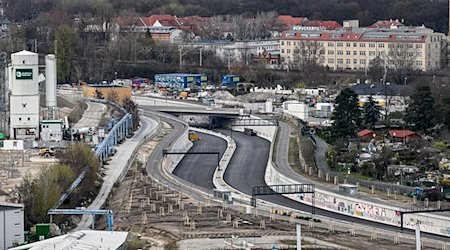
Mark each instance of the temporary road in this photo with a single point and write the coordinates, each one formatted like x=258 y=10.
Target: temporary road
x=118 y=164
x=199 y=169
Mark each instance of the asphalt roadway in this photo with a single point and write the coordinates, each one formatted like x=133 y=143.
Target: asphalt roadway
x=199 y=169
x=247 y=169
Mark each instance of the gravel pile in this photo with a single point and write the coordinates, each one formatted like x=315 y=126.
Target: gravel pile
x=223 y=95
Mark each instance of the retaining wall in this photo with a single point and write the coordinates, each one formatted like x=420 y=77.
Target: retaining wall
x=430 y=223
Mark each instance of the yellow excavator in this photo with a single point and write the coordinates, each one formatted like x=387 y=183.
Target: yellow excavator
x=193 y=136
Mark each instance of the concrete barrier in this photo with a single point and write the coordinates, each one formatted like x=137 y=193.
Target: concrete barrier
x=358 y=208
x=182 y=144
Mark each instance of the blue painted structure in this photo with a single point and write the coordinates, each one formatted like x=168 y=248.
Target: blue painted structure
x=108 y=213
x=118 y=133
x=181 y=81
x=230 y=81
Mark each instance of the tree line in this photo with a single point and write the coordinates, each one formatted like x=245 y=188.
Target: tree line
x=432 y=13
x=427 y=113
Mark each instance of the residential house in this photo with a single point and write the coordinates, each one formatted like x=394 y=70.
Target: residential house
x=389 y=97
x=403 y=135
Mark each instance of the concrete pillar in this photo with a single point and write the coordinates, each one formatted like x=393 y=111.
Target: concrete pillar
x=161 y=211
x=327 y=177
x=192 y=225
x=395 y=195
x=310 y=170
x=426 y=202
x=388 y=192
x=228 y=218
x=397 y=239
x=169 y=208
x=438 y=204
x=235 y=223
x=414 y=200
x=144 y=218
x=311 y=223
x=272 y=217
x=336 y=180
x=373 y=189
x=219 y=213
x=319 y=174
x=331 y=227
x=345 y=180
x=374 y=235
x=262 y=224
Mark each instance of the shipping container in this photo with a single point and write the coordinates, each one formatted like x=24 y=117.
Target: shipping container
x=181 y=81
x=230 y=81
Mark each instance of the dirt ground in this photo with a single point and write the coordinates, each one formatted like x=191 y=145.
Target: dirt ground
x=163 y=216
x=14 y=166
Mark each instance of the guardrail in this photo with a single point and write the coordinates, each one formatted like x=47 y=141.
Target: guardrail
x=359 y=208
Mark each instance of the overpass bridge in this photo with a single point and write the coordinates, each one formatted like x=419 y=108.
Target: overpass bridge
x=198 y=110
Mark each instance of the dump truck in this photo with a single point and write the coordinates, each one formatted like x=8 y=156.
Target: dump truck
x=193 y=136
x=249 y=131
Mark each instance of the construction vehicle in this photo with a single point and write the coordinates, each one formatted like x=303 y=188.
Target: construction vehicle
x=193 y=136
x=48 y=152
x=249 y=131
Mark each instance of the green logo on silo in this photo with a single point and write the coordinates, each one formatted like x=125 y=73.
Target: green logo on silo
x=24 y=74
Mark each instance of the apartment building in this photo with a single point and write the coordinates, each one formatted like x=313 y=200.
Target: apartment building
x=353 y=48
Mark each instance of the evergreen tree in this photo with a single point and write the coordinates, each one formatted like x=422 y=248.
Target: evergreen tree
x=65 y=51
x=346 y=116
x=371 y=113
x=420 y=112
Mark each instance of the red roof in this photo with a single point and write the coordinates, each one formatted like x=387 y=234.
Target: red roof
x=192 y=23
x=289 y=20
x=165 y=20
x=348 y=37
x=401 y=133
x=328 y=25
x=364 y=132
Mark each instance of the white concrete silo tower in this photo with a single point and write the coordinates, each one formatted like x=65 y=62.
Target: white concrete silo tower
x=24 y=99
x=50 y=86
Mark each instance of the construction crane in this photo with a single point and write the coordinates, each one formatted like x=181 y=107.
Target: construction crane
x=108 y=213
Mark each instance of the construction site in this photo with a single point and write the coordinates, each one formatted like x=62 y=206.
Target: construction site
x=164 y=217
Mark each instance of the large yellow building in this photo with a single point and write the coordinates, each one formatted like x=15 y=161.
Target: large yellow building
x=107 y=92
x=353 y=48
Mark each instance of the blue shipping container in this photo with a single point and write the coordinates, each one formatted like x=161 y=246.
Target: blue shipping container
x=230 y=81
x=181 y=81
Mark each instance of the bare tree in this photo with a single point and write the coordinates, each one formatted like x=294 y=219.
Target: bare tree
x=401 y=58
x=307 y=58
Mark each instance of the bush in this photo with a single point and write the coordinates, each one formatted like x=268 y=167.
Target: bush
x=78 y=157
x=44 y=191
